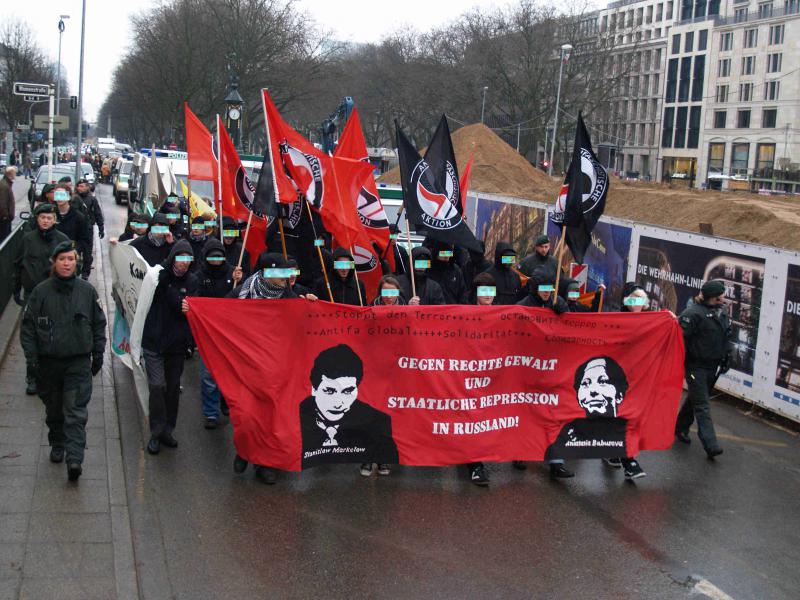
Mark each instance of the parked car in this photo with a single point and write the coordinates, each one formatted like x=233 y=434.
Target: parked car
x=121 y=182
x=59 y=171
x=88 y=173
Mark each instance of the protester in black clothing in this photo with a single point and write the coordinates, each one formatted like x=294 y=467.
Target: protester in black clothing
x=509 y=285
x=476 y=263
x=428 y=291
x=344 y=284
x=88 y=203
x=233 y=245
x=136 y=227
x=72 y=223
x=155 y=247
x=402 y=265
x=539 y=258
x=297 y=288
x=171 y=208
x=165 y=339
x=197 y=238
x=446 y=272
x=573 y=294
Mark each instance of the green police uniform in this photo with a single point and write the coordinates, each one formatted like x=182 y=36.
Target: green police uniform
x=32 y=265
x=63 y=336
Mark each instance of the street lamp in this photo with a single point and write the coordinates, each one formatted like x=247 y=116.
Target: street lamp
x=58 y=76
x=79 y=158
x=566 y=49
x=483 y=104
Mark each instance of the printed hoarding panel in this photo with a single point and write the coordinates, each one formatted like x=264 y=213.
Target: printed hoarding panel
x=673 y=272
x=788 y=375
x=499 y=221
x=606 y=258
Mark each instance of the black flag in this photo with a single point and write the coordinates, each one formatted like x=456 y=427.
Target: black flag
x=583 y=196
x=442 y=159
x=264 y=200
x=427 y=201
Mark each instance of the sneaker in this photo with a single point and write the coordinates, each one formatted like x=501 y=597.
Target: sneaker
x=633 y=470
x=520 y=465
x=383 y=469
x=366 y=469
x=74 y=471
x=559 y=471
x=210 y=423
x=153 y=446
x=713 y=452
x=613 y=462
x=478 y=476
x=56 y=454
x=266 y=475
x=239 y=464
x=683 y=437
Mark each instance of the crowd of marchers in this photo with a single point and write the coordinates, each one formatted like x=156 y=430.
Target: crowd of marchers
x=63 y=328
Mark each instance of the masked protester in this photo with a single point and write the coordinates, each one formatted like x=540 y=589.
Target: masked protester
x=541 y=294
x=63 y=336
x=32 y=264
x=233 y=245
x=165 y=339
x=345 y=286
x=428 y=291
x=483 y=292
x=156 y=246
x=216 y=280
x=402 y=263
x=540 y=258
x=73 y=224
x=174 y=212
x=573 y=294
x=476 y=263
x=136 y=227
x=707 y=338
x=271 y=282
x=509 y=285
x=198 y=238
x=297 y=288
x=446 y=272
x=87 y=203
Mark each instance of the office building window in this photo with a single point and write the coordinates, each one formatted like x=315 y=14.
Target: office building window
x=722 y=93
x=685 y=79
x=672 y=79
x=716 y=157
x=740 y=15
x=772 y=90
x=667 y=127
x=656 y=82
x=751 y=37
x=676 y=43
x=748 y=65
x=724 y=67
x=698 y=77
x=740 y=156
x=745 y=92
x=669 y=11
x=726 y=42
x=774 y=62
x=765 y=10
x=659 y=11
x=713 y=7
x=688 y=41
x=719 y=119
x=776 y=34
x=680 y=127
x=657 y=60
x=686 y=9
x=743 y=119
x=694 y=127
x=699 y=8
x=769 y=118
x=702 y=40
x=765 y=159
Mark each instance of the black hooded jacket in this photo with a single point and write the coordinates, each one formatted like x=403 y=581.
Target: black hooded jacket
x=214 y=281
x=430 y=293
x=535 y=260
x=475 y=264
x=154 y=255
x=166 y=329
x=74 y=225
x=508 y=283
x=344 y=291
x=448 y=275
x=556 y=303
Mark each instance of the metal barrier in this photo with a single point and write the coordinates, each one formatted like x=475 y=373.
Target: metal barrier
x=8 y=253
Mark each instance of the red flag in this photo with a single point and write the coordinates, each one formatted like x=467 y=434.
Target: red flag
x=200 y=148
x=439 y=385
x=464 y=184
x=238 y=193
x=370 y=208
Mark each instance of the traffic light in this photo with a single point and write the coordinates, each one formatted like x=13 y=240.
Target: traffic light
x=73 y=102
x=545 y=165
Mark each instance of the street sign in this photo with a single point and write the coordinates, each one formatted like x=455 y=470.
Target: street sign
x=32 y=89
x=60 y=122
x=34 y=98
x=23 y=126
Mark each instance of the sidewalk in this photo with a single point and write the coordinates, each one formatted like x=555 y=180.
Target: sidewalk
x=57 y=539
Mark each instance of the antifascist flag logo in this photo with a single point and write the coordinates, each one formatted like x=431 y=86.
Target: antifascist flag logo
x=370 y=210
x=365 y=260
x=438 y=211
x=246 y=191
x=306 y=172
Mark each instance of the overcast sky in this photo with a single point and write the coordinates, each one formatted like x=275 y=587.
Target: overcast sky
x=108 y=30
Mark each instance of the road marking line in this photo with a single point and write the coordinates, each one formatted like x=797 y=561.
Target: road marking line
x=704 y=586
x=744 y=440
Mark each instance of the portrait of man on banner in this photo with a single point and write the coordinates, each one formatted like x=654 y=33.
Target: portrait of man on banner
x=600 y=386
x=335 y=425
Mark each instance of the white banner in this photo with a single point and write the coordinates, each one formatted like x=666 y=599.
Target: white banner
x=134 y=284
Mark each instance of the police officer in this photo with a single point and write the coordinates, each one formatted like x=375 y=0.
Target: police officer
x=73 y=224
x=88 y=203
x=63 y=336
x=540 y=257
x=707 y=335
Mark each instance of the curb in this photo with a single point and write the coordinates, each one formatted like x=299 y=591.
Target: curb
x=8 y=327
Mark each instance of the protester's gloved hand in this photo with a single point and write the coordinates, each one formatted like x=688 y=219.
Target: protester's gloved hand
x=97 y=364
x=558 y=308
x=725 y=365
x=18 y=297
x=101 y=233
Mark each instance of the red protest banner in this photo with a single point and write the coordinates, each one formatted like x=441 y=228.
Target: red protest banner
x=312 y=383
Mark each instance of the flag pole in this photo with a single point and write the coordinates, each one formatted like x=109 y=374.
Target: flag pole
x=411 y=259
x=602 y=297
x=275 y=181
x=283 y=238
x=319 y=252
x=244 y=243
x=219 y=179
x=560 y=248
x=355 y=274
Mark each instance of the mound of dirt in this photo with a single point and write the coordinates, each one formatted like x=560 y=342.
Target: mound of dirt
x=499 y=169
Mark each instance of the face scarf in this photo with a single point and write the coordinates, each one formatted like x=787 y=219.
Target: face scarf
x=256 y=287
x=156 y=240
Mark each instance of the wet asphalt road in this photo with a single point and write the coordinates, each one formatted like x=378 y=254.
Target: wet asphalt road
x=691 y=529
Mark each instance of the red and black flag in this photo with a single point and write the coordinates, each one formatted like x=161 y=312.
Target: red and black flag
x=428 y=198
x=582 y=199
x=442 y=159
